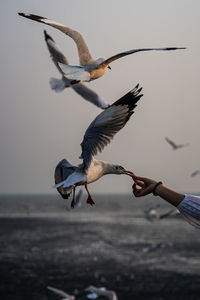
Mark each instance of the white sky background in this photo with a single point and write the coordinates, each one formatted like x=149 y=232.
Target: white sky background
x=40 y=127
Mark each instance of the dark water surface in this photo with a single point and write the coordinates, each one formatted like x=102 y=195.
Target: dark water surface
x=112 y=244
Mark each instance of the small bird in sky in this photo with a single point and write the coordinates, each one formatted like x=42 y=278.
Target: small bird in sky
x=58 y=85
x=89 y=69
x=97 y=136
x=176 y=146
x=195 y=173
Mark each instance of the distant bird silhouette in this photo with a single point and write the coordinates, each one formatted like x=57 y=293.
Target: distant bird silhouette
x=153 y=212
x=58 y=85
x=193 y=174
x=89 y=69
x=97 y=136
x=176 y=146
x=90 y=292
x=102 y=292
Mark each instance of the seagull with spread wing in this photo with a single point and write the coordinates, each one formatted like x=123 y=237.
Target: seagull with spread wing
x=97 y=136
x=89 y=69
x=91 y=292
x=176 y=146
x=60 y=84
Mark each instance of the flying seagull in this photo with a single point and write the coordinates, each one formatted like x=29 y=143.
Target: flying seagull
x=193 y=174
x=97 y=136
x=90 y=292
x=60 y=84
x=176 y=146
x=102 y=291
x=154 y=213
x=89 y=69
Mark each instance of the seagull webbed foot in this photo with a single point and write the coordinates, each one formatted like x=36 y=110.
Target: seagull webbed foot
x=90 y=201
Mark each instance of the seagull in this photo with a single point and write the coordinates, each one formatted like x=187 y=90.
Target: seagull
x=90 y=292
x=153 y=212
x=89 y=69
x=95 y=292
x=97 y=136
x=175 y=146
x=195 y=173
x=60 y=84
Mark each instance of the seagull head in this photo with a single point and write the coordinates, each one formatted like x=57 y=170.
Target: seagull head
x=101 y=60
x=117 y=169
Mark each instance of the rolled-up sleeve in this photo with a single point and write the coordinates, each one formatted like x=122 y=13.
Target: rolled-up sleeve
x=190 y=209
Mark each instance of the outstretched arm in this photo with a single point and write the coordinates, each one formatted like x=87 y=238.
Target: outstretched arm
x=188 y=205
x=144 y=186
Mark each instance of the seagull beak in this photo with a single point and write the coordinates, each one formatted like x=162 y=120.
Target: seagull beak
x=129 y=173
x=109 y=67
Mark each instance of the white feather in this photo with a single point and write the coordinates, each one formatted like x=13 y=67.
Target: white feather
x=75 y=73
x=73 y=179
x=58 y=85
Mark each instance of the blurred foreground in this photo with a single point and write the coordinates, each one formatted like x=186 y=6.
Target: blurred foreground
x=112 y=244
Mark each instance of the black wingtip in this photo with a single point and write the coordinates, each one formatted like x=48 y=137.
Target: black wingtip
x=131 y=98
x=32 y=17
x=175 y=48
x=47 y=36
x=24 y=15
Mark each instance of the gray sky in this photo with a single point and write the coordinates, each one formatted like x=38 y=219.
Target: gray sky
x=39 y=127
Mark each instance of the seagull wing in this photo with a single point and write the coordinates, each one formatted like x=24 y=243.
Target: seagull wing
x=171 y=142
x=61 y=293
x=122 y=54
x=89 y=95
x=182 y=145
x=107 y=124
x=83 y=51
x=62 y=171
x=75 y=72
x=55 y=53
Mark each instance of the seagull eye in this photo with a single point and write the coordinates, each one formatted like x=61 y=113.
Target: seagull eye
x=119 y=168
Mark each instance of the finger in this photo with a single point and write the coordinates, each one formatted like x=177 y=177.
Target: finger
x=139 y=183
x=144 y=191
x=135 y=180
x=134 y=186
x=132 y=174
x=135 y=189
x=141 y=178
x=137 y=192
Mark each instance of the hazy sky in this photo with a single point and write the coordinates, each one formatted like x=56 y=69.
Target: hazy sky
x=40 y=127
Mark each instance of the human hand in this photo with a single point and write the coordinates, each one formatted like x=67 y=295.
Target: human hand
x=146 y=186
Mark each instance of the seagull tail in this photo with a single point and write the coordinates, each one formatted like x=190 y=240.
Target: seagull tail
x=58 y=85
x=55 y=186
